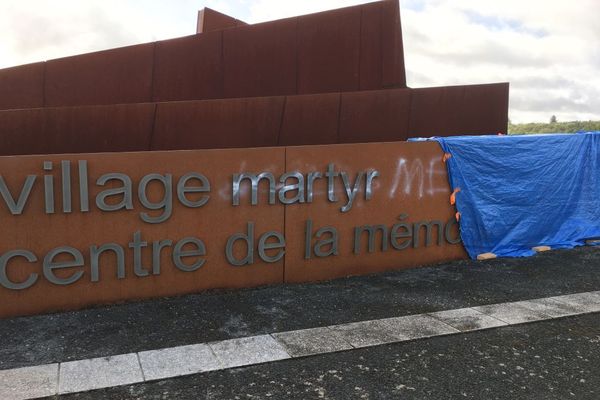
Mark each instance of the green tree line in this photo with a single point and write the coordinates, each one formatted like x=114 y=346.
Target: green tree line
x=553 y=127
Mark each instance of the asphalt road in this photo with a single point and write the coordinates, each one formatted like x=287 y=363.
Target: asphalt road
x=555 y=359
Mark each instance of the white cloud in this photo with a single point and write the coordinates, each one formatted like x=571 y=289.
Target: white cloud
x=549 y=50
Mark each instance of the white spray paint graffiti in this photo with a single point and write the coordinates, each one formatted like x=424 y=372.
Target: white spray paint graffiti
x=413 y=178
x=225 y=188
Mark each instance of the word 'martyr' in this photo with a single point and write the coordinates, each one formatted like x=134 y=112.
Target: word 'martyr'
x=191 y=190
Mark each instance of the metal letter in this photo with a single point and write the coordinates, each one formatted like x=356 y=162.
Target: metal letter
x=49 y=188
x=332 y=242
x=166 y=203
x=156 y=248
x=308 y=239
x=395 y=234
x=312 y=177
x=16 y=208
x=182 y=189
x=83 y=187
x=7 y=283
x=263 y=245
x=137 y=245
x=451 y=223
x=299 y=198
x=371 y=175
x=351 y=192
x=254 y=179
x=331 y=174
x=66 y=185
x=179 y=253
x=95 y=253
x=50 y=265
x=428 y=230
x=249 y=239
x=371 y=230
x=125 y=191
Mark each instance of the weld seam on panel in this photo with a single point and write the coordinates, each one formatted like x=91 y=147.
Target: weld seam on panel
x=278 y=142
x=339 y=119
x=44 y=84
x=153 y=127
x=360 y=44
x=153 y=74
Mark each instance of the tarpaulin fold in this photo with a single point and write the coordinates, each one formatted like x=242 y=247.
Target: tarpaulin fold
x=518 y=192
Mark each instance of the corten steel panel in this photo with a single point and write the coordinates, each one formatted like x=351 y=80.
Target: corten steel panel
x=189 y=68
x=493 y=100
x=210 y=124
x=459 y=110
x=90 y=129
x=371 y=54
x=122 y=75
x=22 y=87
x=394 y=73
x=96 y=129
x=310 y=119
x=210 y=20
x=260 y=60
x=213 y=224
x=328 y=51
x=375 y=116
x=21 y=132
x=412 y=181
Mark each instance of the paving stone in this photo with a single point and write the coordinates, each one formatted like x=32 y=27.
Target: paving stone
x=307 y=342
x=552 y=307
x=512 y=313
x=178 y=361
x=418 y=326
x=584 y=302
x=96 y=373
x=368 y=333
x=250 y=350
x=29 y=382
x=467 y=319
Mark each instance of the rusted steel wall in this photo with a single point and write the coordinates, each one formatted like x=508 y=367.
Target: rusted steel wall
x=22 y=87
x=377 y=116
x=311 y=119
x=199 y=77
x=114 y=76
x=411 y=187
x=93 y=129
x=355 y=48
x=350 y=117
x=459 y=110
x=214 y=124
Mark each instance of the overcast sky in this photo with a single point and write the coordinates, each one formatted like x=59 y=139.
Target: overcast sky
x=549 y=50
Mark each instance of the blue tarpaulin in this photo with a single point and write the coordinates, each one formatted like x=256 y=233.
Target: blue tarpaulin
x=518 y=192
